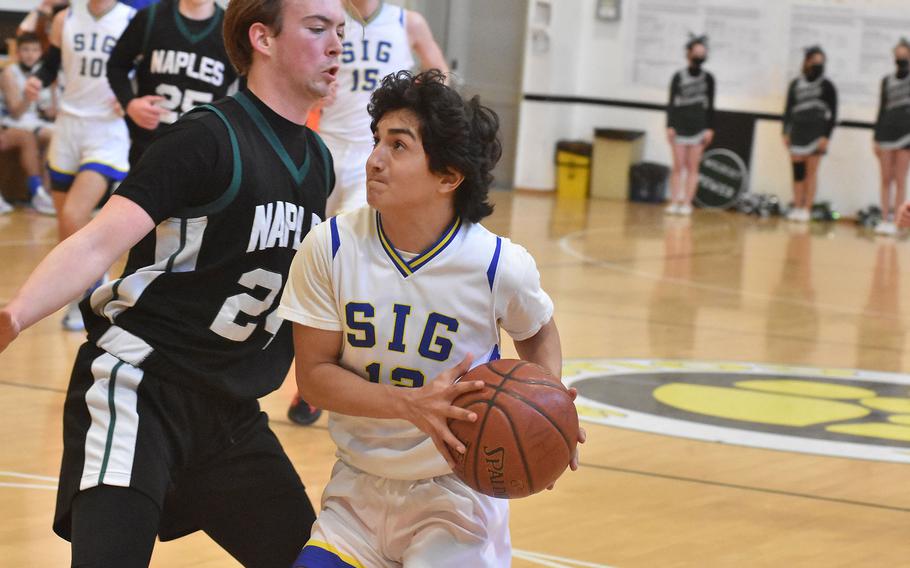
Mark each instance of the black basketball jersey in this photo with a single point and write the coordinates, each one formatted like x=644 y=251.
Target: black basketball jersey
x=182 y=60
x=196 y=303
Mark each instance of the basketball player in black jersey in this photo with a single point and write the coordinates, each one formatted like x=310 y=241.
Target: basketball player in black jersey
x=163 y=435
x=809 y=119
x=177 y=51
x=690 y=124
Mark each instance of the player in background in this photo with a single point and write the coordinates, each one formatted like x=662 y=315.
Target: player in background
x=90 y=143
x=809 y=119
x=38 y=21
x=381 y=38
x=28 y=123
x=892 y=136
x=690 y=124
x=177 y=52
x=391 y=304
x=163 y=434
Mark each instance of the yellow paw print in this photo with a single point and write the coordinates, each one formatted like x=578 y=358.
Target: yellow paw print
x=839 y=409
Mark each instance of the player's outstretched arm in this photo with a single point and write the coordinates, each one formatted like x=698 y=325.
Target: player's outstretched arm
x=74 y=265
x=326 y=384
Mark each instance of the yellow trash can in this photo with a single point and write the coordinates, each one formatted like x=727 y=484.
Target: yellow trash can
x=573 y=168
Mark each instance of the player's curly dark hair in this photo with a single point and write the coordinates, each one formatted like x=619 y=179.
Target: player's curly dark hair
x=457 y=134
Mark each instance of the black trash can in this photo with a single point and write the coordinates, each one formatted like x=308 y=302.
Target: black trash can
x=648 y=182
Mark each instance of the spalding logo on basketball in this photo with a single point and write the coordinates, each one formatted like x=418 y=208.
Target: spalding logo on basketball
x=525 y=433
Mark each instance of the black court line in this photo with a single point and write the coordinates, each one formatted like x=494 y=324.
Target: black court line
x=748 y=488
x=32 y=387
x=281 y=422
x=601 y=467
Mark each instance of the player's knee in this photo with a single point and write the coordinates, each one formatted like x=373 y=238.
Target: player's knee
x=799 y=171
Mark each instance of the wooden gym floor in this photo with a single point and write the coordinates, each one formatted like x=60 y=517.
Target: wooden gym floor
x=627 y=283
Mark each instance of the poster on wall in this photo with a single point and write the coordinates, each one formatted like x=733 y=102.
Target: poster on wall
x=857 y=41
x=737 y=51
x=755 y=49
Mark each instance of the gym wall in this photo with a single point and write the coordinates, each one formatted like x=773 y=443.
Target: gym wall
x=582 y=73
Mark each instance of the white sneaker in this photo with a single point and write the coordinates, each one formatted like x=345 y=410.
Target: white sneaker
x=72 y=319
x=671 y=209
x=42 y=202
x=886 y=228
x=798 y=215
x=5 y=207
x=685 y=210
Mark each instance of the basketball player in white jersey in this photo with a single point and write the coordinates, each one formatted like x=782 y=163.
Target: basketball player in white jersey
x=26 y=125
x=90 y=145
x=380 y=40
x=391 y=304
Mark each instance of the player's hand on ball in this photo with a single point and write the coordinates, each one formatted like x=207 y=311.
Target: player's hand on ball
x=430 y=407
x=582 y=436
x=9 y=329
x=823 y=145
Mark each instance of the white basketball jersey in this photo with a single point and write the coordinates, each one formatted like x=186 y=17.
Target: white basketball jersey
x=87 y=44
x=370 y=53
x=405 y=320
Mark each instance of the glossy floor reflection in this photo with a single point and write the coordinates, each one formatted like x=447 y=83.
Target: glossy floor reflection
x=628 y=282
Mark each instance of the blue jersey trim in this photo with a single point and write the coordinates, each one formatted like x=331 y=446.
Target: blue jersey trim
x=107 y=171
x=317 y=557
x=494 y=264
x=60 y=178
x=401 y=17
x=494 y=354
x=336 y=240
x=407 y=268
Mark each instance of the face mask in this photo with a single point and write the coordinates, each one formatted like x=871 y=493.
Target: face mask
x=697 y=62
x=815 y=71
x=25 y=68
x=903 y=66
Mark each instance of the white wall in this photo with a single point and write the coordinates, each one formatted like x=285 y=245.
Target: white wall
x=19 y=5
x=589 y=58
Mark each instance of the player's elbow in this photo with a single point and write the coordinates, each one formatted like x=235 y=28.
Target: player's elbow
x=308 y=382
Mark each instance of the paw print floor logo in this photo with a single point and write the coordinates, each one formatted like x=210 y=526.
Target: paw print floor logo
x=838 y=412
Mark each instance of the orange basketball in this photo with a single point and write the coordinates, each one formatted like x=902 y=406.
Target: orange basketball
x=525 y=433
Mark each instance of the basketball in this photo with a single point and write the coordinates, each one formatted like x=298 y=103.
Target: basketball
x=525 y=433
